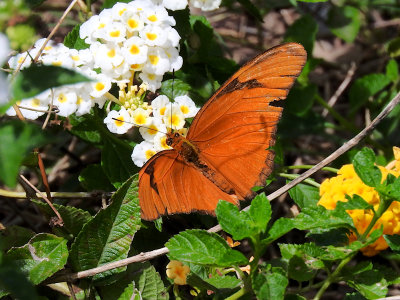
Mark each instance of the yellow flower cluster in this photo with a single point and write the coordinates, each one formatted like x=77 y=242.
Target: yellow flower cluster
x=347 y=182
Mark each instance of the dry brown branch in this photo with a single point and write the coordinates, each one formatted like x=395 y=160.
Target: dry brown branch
x=44 y=197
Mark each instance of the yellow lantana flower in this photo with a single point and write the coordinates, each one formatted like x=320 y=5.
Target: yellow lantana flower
x=347 y=182
x=178 y=272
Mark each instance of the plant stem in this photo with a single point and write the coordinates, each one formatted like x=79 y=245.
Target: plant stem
x=330 y=169
x=332 y=277
x=293 y=176
x=65 y=195
x=237 y=295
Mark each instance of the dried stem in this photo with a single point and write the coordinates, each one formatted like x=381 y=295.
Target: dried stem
x=44 y=197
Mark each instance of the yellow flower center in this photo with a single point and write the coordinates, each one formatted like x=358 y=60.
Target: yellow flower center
x=152 y=129
x=152 y=18
x=35 y=102
x=111 y=53
x=162 y=110
x=79 y=100
x=115 y=33
x=99 y=86
x=140 y=119
x=151 y=36
x=184 y=109
x=132 y=23
x=119 y=121
x=149 y=153
x=134 y=49
x=154 y=59
x=62 y=98
x=56 y=63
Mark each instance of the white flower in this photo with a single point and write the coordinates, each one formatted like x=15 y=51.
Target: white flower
x=101 y=86
x=187 y=106
x=206 y=5
x=135 y=51
x=173 y=117
x=115 y=33
x=107 y=56
x=118 y=121
x=173 y=37
x=65 y=99
x=23 y=59
x=152 y=129
x=158 y=16
x=154 y=35
x=159 y=105
x=32 y=108
x=84 y=103
x=133 y=21
x=58 y=59
x=175 y=60
x=175 y=4
x=157 y=61
x=142 y=153
x=141 y=117
x=153 y=81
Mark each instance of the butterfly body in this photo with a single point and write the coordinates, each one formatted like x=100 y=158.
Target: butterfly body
x=227 y=149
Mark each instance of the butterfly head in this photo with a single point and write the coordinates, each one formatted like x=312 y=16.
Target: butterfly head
x=173 y=138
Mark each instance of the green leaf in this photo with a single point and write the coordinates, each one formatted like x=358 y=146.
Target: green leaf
x=86 y=127
x=93 y=179
x=146 y=280
x=17 y=139
x=116 y=159
x=174 y=87
x=278 y=229
x=392 y=70
x=303 y=31
x=260 y=212
x=371 y=284
x=304 y=195
x=130 y=293
x=320 y=217
x=294 y=297
x=73 y=40
x=354 y=202
x=392 y=190
x=270 y=284
x=393 y=241
x=35 y=79
x=41 y=257
x=344 y=22
x=74 y=218
x=150 y=285
x=354 y=296
x=203 y=248
x=312 y=1
x=14 y=282
x=14 y=236
x=364 y=165
x=364 y=88
x=108 y=236
x=245 y=223
x=224 y=282
x=301 y=99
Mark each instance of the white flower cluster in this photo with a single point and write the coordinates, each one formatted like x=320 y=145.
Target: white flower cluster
x=153 y=120
x=77 y=98
x=205 y=5
x=4 y=51
x=133 y=37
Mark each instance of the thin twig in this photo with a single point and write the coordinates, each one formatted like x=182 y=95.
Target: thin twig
x=55 y=29
x=158 y=252
x=50 y=109
x=60 y=195
x=44 y=176
x=341 y=88
x=44 y=197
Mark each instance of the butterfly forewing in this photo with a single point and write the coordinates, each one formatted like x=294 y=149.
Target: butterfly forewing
x=233 y=133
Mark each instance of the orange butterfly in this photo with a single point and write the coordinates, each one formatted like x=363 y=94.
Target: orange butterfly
x=227 y=148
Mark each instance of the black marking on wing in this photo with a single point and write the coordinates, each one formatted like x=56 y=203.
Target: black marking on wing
x=277 y=103
x=150 y=170
x=235 y=84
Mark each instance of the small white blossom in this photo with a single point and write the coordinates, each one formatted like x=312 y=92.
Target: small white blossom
x=152 y=129
x=118 y=121
x=142 y=153
x=141 y=117
x=173 y=117
x=187 y=106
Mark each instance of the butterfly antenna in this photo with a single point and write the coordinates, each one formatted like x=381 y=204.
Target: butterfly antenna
x=138 y=125
x=172 y=92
